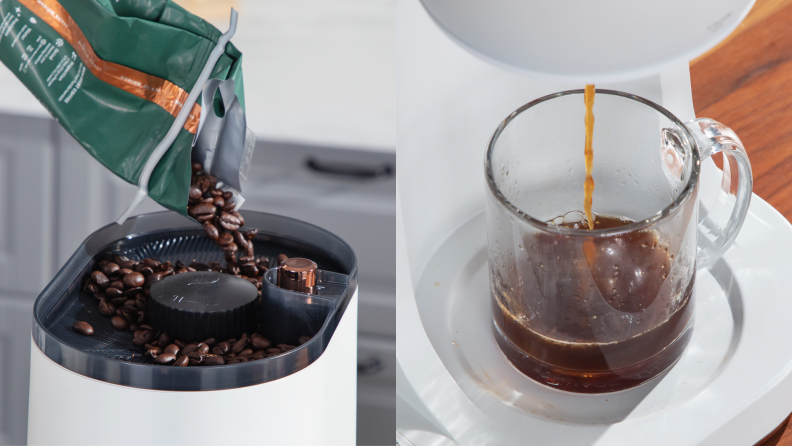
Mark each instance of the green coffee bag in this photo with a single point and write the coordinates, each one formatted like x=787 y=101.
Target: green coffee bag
x=124 y=77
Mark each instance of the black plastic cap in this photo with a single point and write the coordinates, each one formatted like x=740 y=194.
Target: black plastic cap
x=199 y=305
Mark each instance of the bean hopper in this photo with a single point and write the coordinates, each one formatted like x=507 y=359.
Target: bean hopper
x=98 y=390
x=464 y=67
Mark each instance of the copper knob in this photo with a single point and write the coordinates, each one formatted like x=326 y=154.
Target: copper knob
x=298 y=274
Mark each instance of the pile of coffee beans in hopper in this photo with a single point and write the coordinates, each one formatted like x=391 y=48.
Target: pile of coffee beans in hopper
x=121 y=286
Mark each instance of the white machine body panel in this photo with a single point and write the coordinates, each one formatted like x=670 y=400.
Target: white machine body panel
x=315 y=406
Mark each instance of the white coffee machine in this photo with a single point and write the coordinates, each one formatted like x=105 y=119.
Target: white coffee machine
x=464 y=66
x=99 y=390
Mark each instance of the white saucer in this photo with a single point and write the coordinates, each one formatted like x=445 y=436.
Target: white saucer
x=731 y=386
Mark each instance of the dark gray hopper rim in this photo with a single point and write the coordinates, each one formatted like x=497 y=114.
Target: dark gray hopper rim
x=152 y=227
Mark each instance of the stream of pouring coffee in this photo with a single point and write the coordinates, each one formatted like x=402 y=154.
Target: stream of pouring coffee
x=588 y=185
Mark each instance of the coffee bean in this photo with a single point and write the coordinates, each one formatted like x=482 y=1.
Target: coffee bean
x=118 y=301
x=202 y=348
x=224 y=347
x=133 y=292
x=134 y=280
x=172 y=348
x=229 y=206
x=143 y=337
x=213 y=360
x=274 y=350
x=151 y=263
x=230 y=258
x=133 y=327
x=249 y=270
x=166 y=358
x=197 y=355
x=100 y=279
x=124 y=262
x=202 y=209
x=246 y=352
x=286 y=347
x=231 y=355
x=239 y=217
x=117 y=284
x=146 y=271
x=107 y=309
x=231 y=247
x=84 y=328
x=152 y=279
x=155 y=350
x=260 y=342
x=233 y=361
x=244 y=260
x=218 y=202
x=112 y=292
x=250 y=234
x=211 y=230
x=194 y=361
x=181 y=362
x=189 y=348
x=90 y=288
x=282 y=258
x=142 y=317
x=179 y=343
x=225 y=239
x=240 y=239
x=119 y=323
x=195 y=193
x=211 y=342
x=141 y=304
x=241 y=359
x=229 y=221
x=196 y=167
x=258 y=355
x=239 y=345
x=110 y=269
x=164 y=339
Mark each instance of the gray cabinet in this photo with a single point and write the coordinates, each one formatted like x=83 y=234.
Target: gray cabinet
x=55 y=195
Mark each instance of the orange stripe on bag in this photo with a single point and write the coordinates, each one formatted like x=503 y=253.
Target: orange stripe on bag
x=145 y=86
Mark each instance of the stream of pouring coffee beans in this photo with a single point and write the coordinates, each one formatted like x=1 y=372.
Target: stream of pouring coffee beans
x=121 y=287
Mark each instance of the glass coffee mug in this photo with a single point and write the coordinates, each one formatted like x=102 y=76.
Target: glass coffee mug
x=606 y=309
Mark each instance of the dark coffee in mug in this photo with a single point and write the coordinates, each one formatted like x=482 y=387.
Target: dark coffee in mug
x=623 y=276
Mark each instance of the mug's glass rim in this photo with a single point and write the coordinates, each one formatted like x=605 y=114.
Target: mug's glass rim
x=680 y=199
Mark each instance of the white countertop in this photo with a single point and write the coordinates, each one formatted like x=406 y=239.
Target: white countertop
x=318 y=72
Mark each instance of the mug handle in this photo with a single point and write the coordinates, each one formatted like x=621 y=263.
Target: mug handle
x=715 y=235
